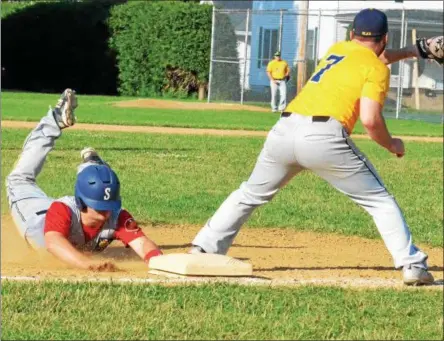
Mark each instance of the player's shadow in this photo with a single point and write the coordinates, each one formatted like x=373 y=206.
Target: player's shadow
x=269 y=246
x=125 y=149
x=377 y=268
x=118 y=149
x=177 y=246
x=120 y=253
x=169 y=247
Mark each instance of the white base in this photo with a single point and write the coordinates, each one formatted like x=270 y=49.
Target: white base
x=203 y=264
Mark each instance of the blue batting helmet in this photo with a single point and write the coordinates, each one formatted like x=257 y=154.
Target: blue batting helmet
x=98 y=187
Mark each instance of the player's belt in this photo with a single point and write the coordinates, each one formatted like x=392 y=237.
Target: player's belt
x=320 y=118
x=313 y=118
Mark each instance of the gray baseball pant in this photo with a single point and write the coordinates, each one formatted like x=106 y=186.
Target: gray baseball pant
x=298 y=143
x=27 y=201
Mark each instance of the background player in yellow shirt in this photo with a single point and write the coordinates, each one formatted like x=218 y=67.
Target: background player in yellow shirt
x=313 y=134
x=278 y=73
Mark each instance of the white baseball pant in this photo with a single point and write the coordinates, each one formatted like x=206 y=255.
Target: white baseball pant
x=298 y=143
x=282 y=87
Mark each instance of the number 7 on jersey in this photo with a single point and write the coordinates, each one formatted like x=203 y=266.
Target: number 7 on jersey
x=334 y=59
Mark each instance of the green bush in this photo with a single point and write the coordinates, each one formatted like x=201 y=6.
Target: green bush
x=7 y=8
x=162 y=48
x=134 y=48
x=49 y=46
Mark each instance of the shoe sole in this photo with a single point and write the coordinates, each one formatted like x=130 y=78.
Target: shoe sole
x=86 y=153
x=417 y=283
x=68 y=115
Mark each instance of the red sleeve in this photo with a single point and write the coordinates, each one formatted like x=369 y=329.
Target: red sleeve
x=127 y=228
x=58 y=218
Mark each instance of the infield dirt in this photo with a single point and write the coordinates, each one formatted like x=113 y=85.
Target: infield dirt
x=275 y=253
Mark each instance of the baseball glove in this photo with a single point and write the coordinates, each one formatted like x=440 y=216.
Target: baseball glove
x=431 y=48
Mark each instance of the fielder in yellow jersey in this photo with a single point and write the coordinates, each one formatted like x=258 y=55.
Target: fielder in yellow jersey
x=278 y=72
x=313 y=135
x=348 y=72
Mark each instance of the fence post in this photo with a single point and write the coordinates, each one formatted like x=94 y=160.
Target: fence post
x=302 y=41
x=415 y=73
x=402 y=66
x=318 y=37
x=210 y=78
x=398 y=92
x=281 y=27
x=247 y=27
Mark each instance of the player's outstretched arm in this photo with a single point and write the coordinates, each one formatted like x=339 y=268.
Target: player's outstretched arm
x=426 y=48
x=145 y=248
x=390 y=56
x=61 y=248
x=130 y=234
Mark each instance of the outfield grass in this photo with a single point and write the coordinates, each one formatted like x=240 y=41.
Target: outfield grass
x=183 y=179
x=99 y=109
x=216 y=312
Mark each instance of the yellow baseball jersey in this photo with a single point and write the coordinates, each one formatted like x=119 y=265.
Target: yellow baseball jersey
x=277 y=68
x=348 y=72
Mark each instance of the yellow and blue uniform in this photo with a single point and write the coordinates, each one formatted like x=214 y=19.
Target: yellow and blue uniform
x=348 y=72
x=311 y=135
x=278 y=69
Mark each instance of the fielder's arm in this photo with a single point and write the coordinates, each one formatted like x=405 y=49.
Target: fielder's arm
x=431 y=48
x=61 y=248
x=390 y=56
x=374 y=124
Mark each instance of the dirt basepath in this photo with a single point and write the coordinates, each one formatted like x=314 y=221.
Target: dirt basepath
x=187 y=131
x=280 y=256
x=170 y=104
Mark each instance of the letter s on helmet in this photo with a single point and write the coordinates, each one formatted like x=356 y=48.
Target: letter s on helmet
x=98 y=187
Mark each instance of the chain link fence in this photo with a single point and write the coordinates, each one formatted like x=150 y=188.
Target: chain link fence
x=244 y=41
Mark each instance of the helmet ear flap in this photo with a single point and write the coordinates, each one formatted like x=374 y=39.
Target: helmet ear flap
x=81 y=203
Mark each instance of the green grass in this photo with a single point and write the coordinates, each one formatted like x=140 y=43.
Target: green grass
x=99 y=109
x=216 y=312
x=183 y=180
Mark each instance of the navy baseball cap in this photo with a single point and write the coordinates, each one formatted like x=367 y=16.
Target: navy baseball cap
x=370 y=22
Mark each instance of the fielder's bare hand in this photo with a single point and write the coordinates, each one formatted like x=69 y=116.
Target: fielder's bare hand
x=397 y=147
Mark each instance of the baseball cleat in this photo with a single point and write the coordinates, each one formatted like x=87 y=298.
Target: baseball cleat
x=413 y=275
x=195 y=250
x=89 y=154
x=64 y=109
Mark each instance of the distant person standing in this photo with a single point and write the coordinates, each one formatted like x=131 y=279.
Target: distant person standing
x=278 y=72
